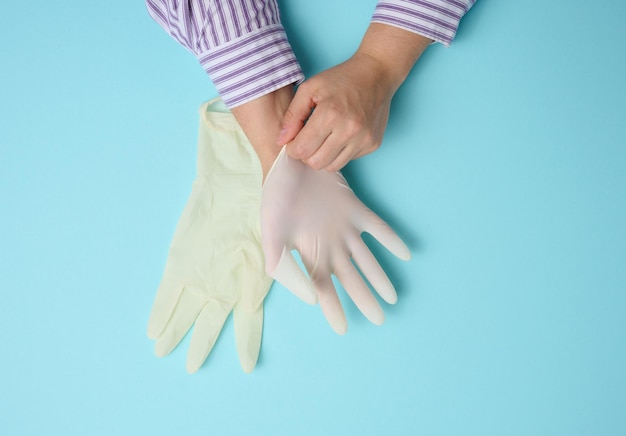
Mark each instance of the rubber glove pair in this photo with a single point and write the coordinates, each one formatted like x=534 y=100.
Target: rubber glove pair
x=216 y=264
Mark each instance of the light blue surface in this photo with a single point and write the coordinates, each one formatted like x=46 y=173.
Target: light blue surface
x=504 y=165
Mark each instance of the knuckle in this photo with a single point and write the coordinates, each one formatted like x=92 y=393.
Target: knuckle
x=332 y=168
x=314 y=163
x=300 y=151
x=289 y=115
x=336 y=166
x=328 y=114
x=293 y=151
x=372 y=142
x=304 y=86
x=307 y=86
x=354 y=127
x=317 y=161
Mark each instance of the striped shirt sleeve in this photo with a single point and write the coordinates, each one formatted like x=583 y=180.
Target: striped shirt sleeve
x=241 y=44
x=435 y=19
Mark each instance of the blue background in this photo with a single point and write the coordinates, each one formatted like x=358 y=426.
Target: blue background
x=503 y=166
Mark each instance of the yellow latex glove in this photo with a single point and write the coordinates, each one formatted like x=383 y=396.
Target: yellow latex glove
x=215 y=263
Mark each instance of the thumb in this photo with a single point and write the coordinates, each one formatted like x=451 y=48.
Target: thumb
x=273 y=241
x=296 y=115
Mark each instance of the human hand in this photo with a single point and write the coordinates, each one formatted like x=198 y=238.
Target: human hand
x=350 y=104
x=316 y=213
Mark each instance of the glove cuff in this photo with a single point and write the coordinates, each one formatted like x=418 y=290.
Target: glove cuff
x=223 y=147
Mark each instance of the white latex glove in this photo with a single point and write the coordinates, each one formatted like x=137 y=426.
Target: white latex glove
x=317 y=214
x=215 y=264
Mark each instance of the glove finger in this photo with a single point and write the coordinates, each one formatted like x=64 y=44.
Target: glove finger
x=208 y=326
x=273 y=239
x=360 y=293
x=248 y=333
x=185 y=313
x=372 y=271
x=273 y=218
x=379 y=229
x=254 y=291
x=326 y=292
x=164 y=303
x=289 y=274
x=329 y=302
x=255 y=283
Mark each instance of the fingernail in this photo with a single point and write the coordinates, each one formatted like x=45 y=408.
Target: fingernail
x=281 y=137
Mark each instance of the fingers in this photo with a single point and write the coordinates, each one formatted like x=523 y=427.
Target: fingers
x=379 y=229
x=248 y=332
x=254 y=291
x=330 y=143
x=252 y=280
x=360 y=293
x=186 y=311
x=310 y=138
x=326 y=292
x=324 y=138
x=327 y=152
x=273 y=254
x=342 y=159
x=273 y=239
x=372 y=271
x=330 y=304
x=206 y=330
x=289 y=274
x=297 y=113
x=164 y=303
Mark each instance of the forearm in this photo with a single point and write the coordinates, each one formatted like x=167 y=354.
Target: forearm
x=394 y=51
x=261 y=120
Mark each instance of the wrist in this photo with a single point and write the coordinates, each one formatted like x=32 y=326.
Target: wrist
x=261 y=121
x=394 y=50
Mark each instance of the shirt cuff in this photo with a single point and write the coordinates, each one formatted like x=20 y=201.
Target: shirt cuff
x=436 y=20
x=251 y=66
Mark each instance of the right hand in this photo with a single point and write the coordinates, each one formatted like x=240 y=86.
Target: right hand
x=350 y=109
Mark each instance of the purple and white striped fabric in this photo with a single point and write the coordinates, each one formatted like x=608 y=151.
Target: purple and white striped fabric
x=434 y=19
x=240 y=43
x=243 y=47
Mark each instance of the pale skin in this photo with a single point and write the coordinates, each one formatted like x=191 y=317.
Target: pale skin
x=261 y=120
x=340 y=114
